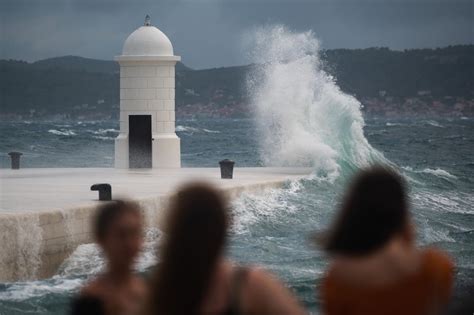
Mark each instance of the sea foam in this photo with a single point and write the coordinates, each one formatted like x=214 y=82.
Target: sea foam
x=303 y=117
x=189 y=129
x=62 y=132
x=439 y=172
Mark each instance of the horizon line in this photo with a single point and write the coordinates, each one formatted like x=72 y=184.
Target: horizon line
x=247 y=64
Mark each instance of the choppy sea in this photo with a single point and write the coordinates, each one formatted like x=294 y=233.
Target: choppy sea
x=272 y=229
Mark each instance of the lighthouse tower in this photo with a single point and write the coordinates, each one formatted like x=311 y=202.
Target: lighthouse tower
x=147 y=136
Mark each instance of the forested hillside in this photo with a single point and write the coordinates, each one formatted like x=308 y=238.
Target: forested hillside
x=74 y=86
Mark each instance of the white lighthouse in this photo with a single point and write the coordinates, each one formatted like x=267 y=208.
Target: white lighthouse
x=147 y=136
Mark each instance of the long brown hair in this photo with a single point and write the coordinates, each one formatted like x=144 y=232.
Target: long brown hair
x=374 y=209
x=196 y=233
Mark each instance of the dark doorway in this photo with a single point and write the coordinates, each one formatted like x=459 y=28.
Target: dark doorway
x=139 y=141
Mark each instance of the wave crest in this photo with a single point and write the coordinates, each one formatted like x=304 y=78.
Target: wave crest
x=303 y=117
x=66 y=132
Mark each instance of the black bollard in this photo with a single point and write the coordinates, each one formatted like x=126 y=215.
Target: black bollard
x=105 y=191
x=227 y=168
x=15 y=157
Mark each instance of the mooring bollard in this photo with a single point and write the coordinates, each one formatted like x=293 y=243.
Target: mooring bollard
x=15 y=157
x=227 y=168
x=105 y=191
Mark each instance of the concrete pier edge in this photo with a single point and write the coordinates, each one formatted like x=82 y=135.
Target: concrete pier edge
x=35 y=243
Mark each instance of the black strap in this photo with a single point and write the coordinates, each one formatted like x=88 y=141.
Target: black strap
x=87 y=305
x=238 y=279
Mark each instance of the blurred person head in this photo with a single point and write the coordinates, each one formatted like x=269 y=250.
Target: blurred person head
x=376 y=267
x=374 y=210
x=118 y=230
x=196 y=229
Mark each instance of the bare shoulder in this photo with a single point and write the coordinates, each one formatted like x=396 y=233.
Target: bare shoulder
x=139 y=285
x=267 y=295
x=439 y=266
x=260 y=277
x=93 y=288
x=336 y=268
x=438 y=259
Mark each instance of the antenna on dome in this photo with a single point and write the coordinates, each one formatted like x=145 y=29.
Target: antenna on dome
x=147 y=20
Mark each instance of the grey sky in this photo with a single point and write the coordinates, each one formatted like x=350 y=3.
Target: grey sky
x=209 y=33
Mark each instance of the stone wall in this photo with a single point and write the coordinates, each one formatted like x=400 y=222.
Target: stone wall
x=33 y=245
x=147 y=87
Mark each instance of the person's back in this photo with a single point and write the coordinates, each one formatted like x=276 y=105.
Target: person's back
x=367 y=287
x=193 y=276
x=376 y=267
x=238 y=290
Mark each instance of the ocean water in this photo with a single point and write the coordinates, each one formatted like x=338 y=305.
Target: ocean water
x=300 y=117
x=271 y=229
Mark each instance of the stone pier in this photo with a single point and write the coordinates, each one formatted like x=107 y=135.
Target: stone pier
x=46 y=213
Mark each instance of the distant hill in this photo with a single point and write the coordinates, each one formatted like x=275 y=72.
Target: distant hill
x=74 y=86
x=365 y=72
x=75 y=63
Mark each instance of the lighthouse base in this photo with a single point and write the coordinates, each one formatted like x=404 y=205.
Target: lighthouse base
x=166 y=151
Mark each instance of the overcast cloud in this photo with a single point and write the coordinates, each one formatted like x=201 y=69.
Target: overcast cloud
x=209 y=33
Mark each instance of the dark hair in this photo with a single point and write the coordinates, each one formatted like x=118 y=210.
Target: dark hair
x=108 y=213
x=374 y=210
x=196 y=233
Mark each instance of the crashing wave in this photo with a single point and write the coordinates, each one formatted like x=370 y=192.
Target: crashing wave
x=303 y=117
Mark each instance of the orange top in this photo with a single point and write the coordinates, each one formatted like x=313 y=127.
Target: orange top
x=420 y=293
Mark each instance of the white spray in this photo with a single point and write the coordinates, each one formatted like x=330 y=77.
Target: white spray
x=304 y=119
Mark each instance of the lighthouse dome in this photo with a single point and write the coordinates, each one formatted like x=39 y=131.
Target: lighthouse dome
x=147 y=41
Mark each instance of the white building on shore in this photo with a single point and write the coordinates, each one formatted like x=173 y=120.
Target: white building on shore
x=147 y=137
